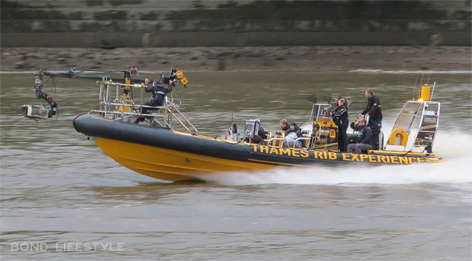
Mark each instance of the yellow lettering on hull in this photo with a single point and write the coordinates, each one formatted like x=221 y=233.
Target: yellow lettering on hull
x=318 y=155
x=403 y=160
x=285 y=152
x=304 y=154
x=332 y=156
x=274 y=151
x=346 y=157
x=340 y=156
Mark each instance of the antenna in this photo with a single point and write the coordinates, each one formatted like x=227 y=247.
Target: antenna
x=432 y=91
x=421 y=82
x=414 y=89
x=428 y=78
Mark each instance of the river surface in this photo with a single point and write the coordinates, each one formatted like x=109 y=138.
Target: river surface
x=62 y=198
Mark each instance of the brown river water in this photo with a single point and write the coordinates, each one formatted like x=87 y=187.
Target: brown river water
x=62 y=198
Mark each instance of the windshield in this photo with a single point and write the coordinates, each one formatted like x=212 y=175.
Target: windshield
x=251 y=128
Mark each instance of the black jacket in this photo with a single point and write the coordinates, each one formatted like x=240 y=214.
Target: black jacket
x=340 y=116
x=158 y=93
x=373 y=108
x=365 y=136
x=286 y=127
x=297 y=131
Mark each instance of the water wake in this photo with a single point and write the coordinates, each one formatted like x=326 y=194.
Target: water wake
x=454 y=147
x=379 y=71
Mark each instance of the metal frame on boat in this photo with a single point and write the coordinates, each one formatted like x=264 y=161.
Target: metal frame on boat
x=117 y=103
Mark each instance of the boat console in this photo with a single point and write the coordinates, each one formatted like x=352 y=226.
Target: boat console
x=416 y=125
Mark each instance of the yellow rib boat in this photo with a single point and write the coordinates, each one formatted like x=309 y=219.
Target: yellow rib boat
x=167 y=146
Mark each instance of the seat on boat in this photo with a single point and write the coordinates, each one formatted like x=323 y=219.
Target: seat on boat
x=305 y=138
x=276 y=141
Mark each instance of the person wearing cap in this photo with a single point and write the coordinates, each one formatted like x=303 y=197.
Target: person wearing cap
x=340 y=118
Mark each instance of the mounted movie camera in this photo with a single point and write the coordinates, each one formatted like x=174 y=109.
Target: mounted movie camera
x=34 y=112
x=176 y=76
x=38 y=112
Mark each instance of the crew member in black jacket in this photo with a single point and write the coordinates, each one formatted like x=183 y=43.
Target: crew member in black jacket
x=340 y=118
x=158 y=97
x=372 y=110
x=365 y=140
x=158 y=94
x=374 y=113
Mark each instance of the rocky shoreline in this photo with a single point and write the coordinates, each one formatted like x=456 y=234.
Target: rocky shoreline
x=311 y=58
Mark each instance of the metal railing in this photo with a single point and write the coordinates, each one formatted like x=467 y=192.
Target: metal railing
x=117 y=103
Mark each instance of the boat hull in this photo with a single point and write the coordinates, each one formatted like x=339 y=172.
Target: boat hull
x=169 y=164
x=176 y=156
